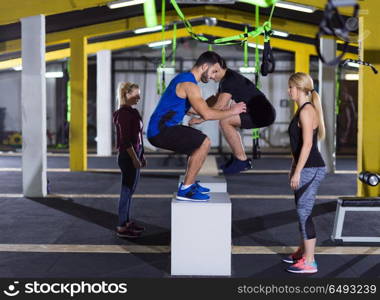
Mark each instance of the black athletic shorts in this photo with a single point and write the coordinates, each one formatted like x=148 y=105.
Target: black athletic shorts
x=180 y=139
x=260 y=113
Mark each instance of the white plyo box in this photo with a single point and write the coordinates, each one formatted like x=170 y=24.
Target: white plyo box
x=217 y=184
x=201 y=237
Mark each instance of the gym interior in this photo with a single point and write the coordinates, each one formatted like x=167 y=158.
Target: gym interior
x=60 y=66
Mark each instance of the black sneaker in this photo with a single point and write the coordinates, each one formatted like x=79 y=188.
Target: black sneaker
x=227 y=163
x=237 y=166
x=125 y=232
x=135 y=227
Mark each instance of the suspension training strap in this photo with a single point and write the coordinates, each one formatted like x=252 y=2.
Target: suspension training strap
x=268 y=62
x=331 y=16
x=174 y=44
x=232 y=40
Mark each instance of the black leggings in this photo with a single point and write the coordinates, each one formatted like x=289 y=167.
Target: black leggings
x=129 y=174
x=129 y=179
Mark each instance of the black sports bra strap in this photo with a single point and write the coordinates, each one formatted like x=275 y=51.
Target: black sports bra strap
x=303 y=105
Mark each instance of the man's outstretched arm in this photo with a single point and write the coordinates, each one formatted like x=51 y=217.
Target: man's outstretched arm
x=192 y=92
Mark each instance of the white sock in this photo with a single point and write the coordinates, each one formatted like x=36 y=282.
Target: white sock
x=184 y=187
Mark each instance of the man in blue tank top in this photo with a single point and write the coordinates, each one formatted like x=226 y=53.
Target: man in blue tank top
x=165 y=130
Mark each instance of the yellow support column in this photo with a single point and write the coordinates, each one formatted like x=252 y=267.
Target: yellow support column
x=369 y=104
x=302 y=64
x=78 y=118
x=302 y=59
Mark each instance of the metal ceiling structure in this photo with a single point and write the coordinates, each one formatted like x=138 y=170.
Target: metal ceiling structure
x=13 y=11
x=111 y=28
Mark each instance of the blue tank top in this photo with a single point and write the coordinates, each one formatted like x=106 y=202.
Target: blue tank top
x=170 y=109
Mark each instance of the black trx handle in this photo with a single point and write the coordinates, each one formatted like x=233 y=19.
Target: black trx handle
x=268 y=64
x=326 y=27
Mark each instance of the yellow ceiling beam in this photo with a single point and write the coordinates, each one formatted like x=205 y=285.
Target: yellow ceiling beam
x=95 y=30
x=13 y=11
x=112 y=45
x=239 y=17
x=49 y=56
x=139 y=40
x=281 y=44
x=221 y=13
x=110 y=27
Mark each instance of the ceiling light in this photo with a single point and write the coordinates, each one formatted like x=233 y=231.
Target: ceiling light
x=351 y=76
x=148 y=29
x=280 y=33
x=249 y=70
x=211 y=21
x=58 y=74
x=296 y=6
x=159 y=44
x=352 y=64
x=166 y=70
x=123 y=3
x=253 y=45
x=54 y=74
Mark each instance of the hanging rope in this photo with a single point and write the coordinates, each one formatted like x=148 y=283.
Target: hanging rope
x=268 y=62
x=245 y=45
x=161 y=86
x=257 y=58
x=256 y=131
x=174 y=44
x=256 y=153
x=163 y=50
x=232 y=40
x=337 y=90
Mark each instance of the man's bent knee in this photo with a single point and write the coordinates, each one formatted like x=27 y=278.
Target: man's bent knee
x=206 y=142
x=227 y=122
x=206 y=145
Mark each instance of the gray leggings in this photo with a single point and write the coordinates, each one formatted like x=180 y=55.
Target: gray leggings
x=305 y=197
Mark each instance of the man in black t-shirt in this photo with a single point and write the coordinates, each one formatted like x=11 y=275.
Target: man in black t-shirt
x=260 y=113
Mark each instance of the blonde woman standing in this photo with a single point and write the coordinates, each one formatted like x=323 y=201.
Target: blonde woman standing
x=308 y=168
x=129 y=142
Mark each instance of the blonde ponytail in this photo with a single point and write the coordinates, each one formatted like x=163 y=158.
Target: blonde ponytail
x=316 y=100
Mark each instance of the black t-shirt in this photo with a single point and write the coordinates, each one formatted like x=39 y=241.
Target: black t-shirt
x=241 y=88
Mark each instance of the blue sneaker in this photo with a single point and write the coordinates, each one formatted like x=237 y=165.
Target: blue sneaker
x=202 y=189
x=237 y=166
x=191 y=194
